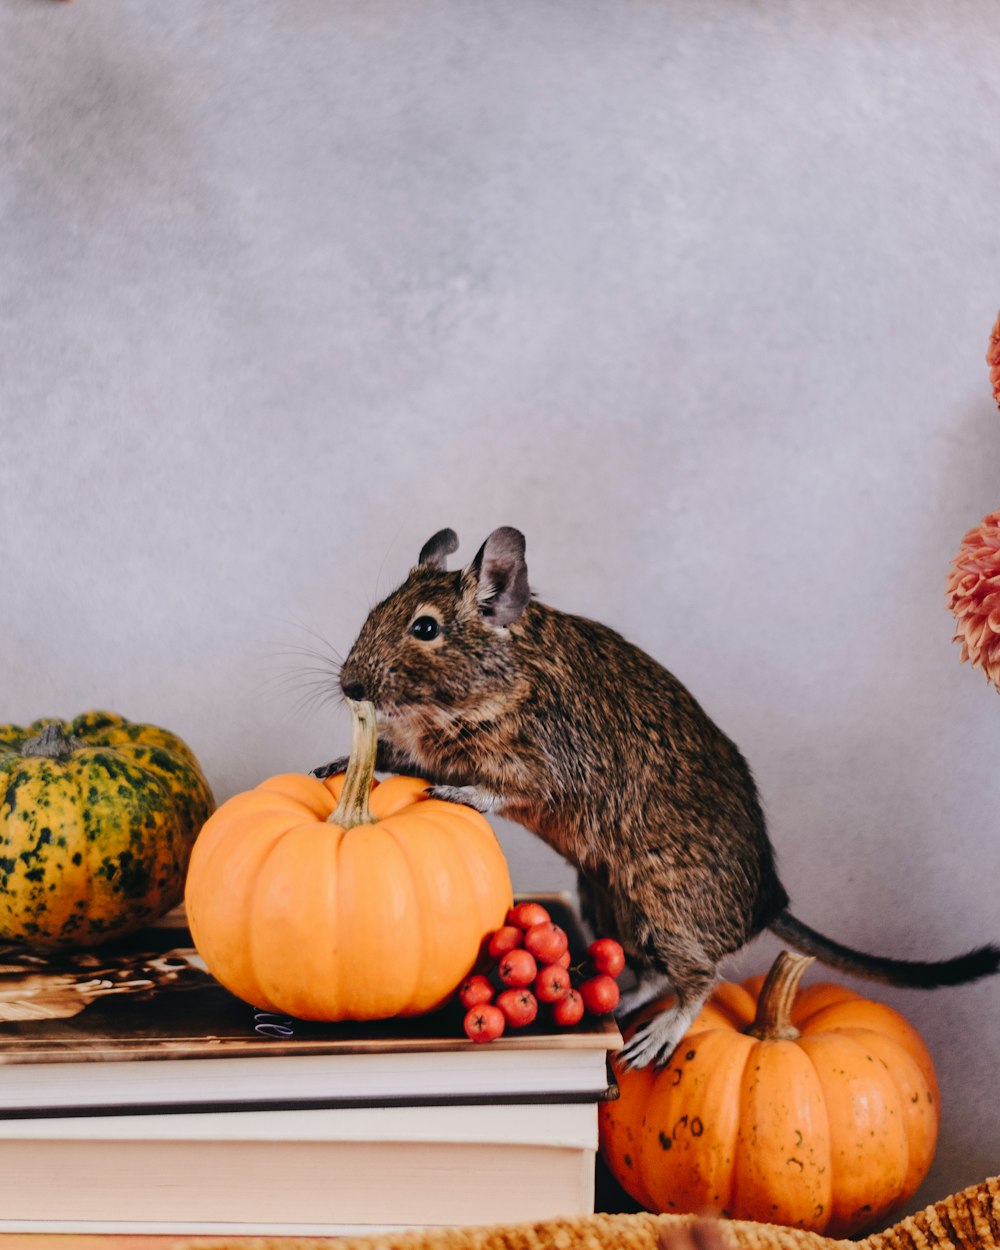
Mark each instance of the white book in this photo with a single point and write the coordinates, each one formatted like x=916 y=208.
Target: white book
x=314 y=1172
x=383 y=1077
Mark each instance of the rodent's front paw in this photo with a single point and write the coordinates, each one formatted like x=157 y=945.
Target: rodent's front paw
x=470 y=796
x=331 y=769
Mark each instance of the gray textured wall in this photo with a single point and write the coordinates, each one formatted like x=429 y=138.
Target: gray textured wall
x=696 y=294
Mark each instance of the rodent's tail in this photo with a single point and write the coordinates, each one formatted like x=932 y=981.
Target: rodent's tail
x=984 y=961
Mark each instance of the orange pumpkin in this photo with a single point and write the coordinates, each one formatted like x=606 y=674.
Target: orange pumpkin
x=817 y=1110
x=344 y=899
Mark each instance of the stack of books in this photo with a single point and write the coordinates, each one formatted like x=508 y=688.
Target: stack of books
x=139 y=1096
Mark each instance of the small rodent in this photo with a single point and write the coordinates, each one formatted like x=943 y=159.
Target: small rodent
x=560 y=724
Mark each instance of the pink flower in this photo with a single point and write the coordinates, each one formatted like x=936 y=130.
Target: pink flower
x=973 y=590
x=993 y=359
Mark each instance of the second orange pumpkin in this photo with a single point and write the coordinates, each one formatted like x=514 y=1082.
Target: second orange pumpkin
x=817 y=1110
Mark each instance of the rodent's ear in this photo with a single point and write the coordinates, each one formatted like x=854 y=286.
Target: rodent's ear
x=502 y=575
x=435 y=550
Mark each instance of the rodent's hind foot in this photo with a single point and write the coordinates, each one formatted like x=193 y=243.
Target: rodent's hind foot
x=656 y=1040
x=331 y=769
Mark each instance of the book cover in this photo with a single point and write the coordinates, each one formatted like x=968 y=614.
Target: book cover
x=160 y=1030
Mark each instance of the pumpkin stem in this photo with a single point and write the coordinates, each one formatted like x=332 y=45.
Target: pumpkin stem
x=773 y=1021
x=353 y=807
x=53 y=743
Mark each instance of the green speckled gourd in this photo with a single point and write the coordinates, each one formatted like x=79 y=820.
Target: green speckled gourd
x=97 y=819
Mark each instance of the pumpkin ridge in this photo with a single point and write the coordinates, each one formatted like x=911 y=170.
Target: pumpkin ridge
x=94 y=722
x=871 y=1015
x=487 y=920
x=803 y=1045
x=737 y=1138
x=61 y=770
x=735 y=1081
x=484 y=906
x=141 y=775
x=83 y=907
x=206 y=891
x=146 y=834
x=19 y=896
x=90 y=881
x=333 y=785
x=358 y=844
x=113 y=731
x=11 y=737
x=240 y=808
x=319 y=957
x=916 y=1100
x=735 y=1003
x=336 y=952
x=396 y=794
x=252 y=928
x=854 y=1172
x=402 y=840
x=13 y=764
x=780 y=1164
x=170 y=766
x=307 y=794
x=901 y=1041
x=818 y=997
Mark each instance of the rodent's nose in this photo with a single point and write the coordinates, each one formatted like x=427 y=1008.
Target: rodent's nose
x=354 y=691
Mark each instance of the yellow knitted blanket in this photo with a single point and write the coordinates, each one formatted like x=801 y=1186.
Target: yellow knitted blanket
x=969 y=1220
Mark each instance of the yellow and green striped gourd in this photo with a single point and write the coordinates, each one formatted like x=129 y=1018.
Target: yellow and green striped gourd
x=97 y=819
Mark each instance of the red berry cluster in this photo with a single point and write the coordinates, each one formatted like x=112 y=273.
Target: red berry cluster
x=532 y=965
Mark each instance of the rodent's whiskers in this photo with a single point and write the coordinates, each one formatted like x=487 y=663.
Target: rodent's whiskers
x=318 y=686
x=317 y=682
x=329 y=650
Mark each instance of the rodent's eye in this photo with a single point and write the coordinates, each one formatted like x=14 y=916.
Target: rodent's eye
x=425 y=628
